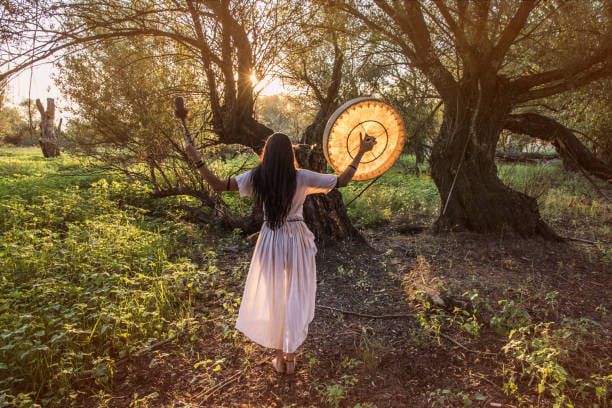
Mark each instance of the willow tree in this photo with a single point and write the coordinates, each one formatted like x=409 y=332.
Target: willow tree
x=317 y=63
x=231 y=43
x=486 y=60
x=216 y=35
x=120 y=95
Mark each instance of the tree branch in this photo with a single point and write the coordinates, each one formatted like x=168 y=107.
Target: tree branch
x=336 y=79
x=568 y=146
x=511 y=31
x=120 y=33
x=377 y=27
x=412 y=23
x=571 y=83
x=482 y=14
x=460 y=38
x=205 y=54
x=574 y=68
x=306 y=78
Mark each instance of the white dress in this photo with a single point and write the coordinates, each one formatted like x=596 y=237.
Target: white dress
x=278 y=302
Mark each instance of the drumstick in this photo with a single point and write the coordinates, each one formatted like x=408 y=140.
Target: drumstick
x=182 y=113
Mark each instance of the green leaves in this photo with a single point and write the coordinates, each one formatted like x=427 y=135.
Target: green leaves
x=509 y=317
x=396 y=192
x=545 y=354
x=86 y=279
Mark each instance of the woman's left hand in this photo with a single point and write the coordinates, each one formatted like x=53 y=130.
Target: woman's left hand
x=193 y=153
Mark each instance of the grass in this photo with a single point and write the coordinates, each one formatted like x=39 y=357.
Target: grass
x=566 y=200
x=396 y=192
x=85 y=280
x=560 y=194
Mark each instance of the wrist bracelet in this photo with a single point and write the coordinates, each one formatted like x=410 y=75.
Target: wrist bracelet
x=354 y=167
x=199 y=163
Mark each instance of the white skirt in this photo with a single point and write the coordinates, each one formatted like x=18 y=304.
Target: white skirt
x=278 y=302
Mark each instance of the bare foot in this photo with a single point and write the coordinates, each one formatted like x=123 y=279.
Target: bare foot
x=278 y=362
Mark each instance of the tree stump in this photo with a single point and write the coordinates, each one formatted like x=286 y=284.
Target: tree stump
x=48 y=133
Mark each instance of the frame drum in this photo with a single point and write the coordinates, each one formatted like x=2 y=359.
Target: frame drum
x=354 y=120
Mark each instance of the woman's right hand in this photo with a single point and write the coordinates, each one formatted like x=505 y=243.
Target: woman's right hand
x=193 y=153
x=367 y=144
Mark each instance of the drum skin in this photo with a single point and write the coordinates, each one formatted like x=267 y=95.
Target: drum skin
x=353 y=120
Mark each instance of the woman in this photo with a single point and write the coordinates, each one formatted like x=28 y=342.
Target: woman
x=279 y=296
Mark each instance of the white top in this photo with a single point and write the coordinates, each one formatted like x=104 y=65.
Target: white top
x=307 y=182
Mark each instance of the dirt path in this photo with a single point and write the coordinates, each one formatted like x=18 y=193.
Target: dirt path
x=384 y=362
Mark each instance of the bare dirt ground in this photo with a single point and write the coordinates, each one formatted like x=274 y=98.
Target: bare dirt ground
x=383 y=361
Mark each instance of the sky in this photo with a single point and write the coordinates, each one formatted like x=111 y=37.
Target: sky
x=42 y=84
x=270 y=86
x=43 y=87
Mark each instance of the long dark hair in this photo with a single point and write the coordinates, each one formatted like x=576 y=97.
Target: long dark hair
x=274 y=179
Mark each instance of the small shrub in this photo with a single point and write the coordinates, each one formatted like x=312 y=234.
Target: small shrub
x=555 y=360
x=334 y=393
x=509 y=317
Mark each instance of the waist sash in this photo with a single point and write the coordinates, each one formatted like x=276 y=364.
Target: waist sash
x=290 y=220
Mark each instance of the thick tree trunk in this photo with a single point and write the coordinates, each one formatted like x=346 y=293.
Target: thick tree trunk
x=463 y=168
x=48 y=135
x=325 y=214
x=571 y=150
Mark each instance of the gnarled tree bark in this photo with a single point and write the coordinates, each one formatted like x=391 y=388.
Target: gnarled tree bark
x=463 y=168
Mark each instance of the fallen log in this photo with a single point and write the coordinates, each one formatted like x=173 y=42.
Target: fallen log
x=525 y=157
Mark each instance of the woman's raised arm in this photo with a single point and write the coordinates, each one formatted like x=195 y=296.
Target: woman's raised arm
x=215 y=182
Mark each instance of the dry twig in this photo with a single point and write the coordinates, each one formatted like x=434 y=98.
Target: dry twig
x=369 y=316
